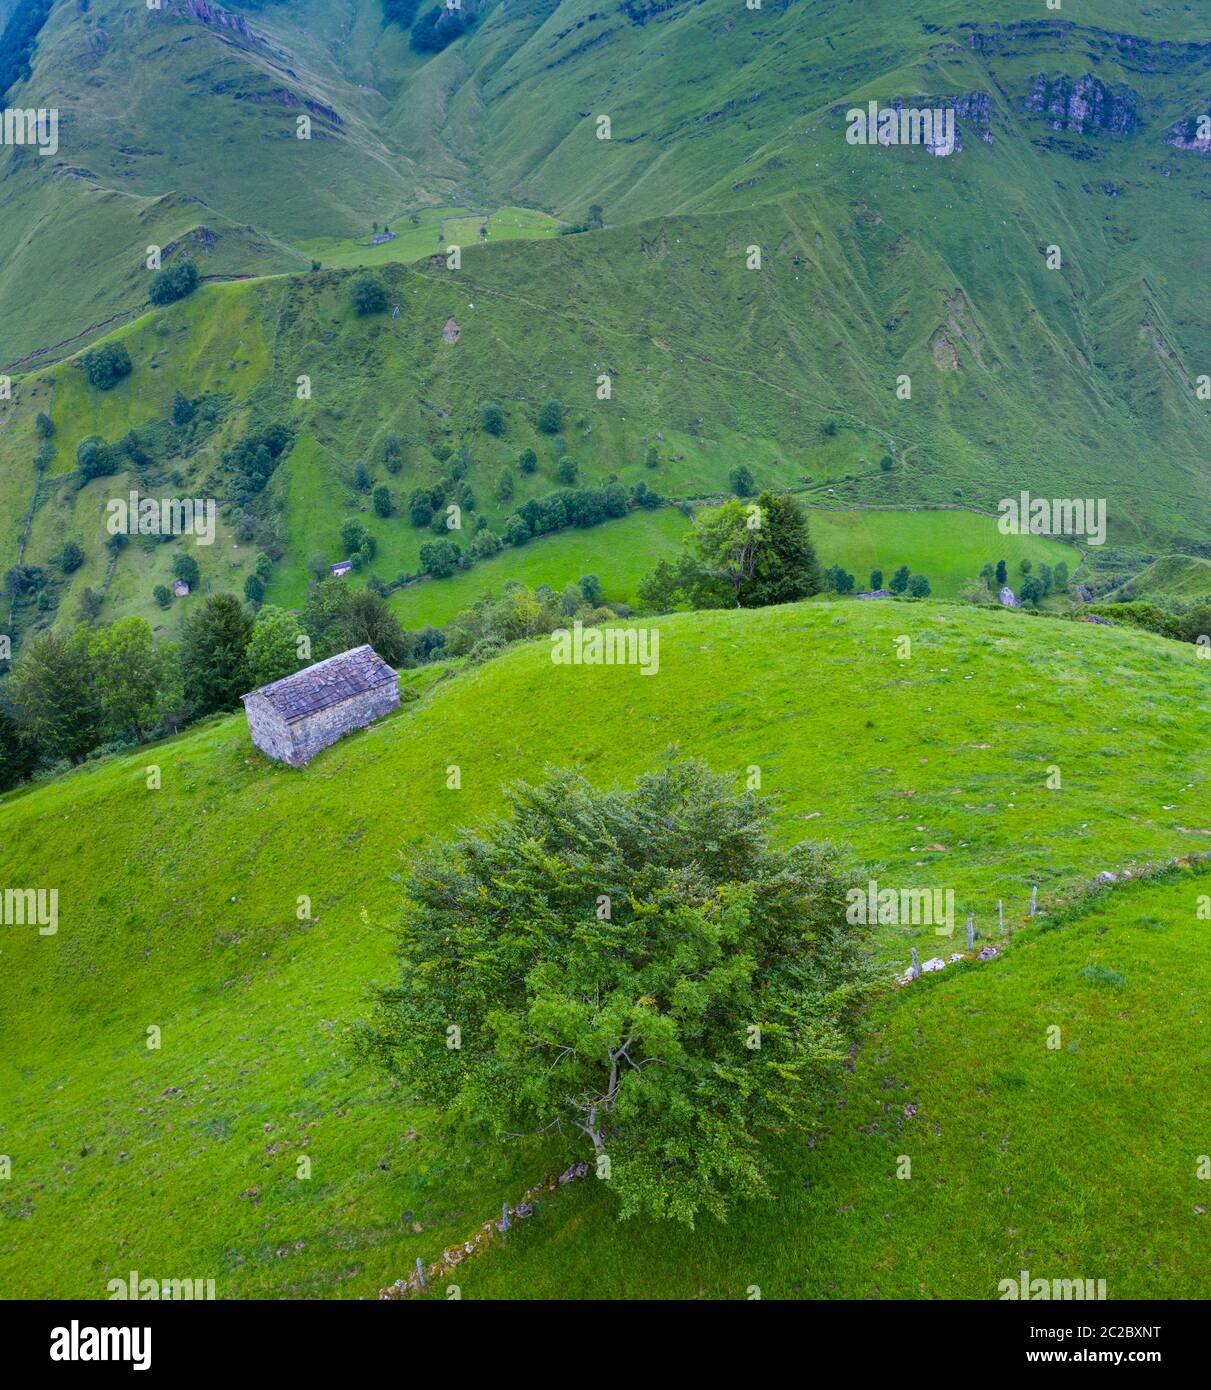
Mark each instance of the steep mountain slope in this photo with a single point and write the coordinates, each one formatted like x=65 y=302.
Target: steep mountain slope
x=727 y=133
x=178 y=908
x=700 y=388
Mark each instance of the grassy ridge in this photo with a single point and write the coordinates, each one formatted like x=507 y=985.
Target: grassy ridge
x=179 y=909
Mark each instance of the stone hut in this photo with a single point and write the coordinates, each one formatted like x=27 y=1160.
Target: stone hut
x=294 y=718
x=1008 y=598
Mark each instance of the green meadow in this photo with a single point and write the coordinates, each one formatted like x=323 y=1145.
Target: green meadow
x=429 y=232
x=949 y=547
x=620 y=552
x=180 y=911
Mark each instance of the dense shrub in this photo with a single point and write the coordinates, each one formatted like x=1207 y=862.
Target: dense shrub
x=440 y=558
x=174 y=282
x=368 y=294
x=255 y=457
x=401 y=12
x=107 y=365
x=550 y=417
x=18 y=39
x=185 y=567
x=439 y=27
x=96 y=459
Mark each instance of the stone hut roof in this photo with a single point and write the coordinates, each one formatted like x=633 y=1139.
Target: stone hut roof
x=326 y=683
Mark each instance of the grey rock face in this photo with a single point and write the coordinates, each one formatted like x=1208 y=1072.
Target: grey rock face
x=1086 y=106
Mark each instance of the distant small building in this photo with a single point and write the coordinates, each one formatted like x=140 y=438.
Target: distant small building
x=1009 y=598
x=180 y=588
x=875 y=593
x=342 y=567
x=294 y=718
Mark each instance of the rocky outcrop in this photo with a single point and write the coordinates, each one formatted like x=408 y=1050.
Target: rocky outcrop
x=277 y=96
x=640 y=11
x=1037 y=37
x=214 y=17
x=1086 y=106
x=973 y=112
x=1193 y=134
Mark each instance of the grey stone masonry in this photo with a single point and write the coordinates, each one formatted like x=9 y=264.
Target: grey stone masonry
x=294 y=718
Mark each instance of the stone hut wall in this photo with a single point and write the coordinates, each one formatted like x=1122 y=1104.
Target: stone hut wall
x=269 y=730
x=317 y=731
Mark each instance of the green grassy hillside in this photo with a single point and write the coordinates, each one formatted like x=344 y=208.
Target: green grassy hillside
x=179 y=910
x=1182 y=577
x=520 y=340
x=728 y=132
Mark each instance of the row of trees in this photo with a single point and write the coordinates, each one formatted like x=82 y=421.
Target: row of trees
x=902 y=581
x=1034 y=586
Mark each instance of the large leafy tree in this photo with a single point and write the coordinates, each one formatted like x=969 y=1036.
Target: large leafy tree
x=786 y=568
x=338 y=617
x=127 y=670
x=681 y=583
x=726 y=541
x=636 y=975
x=18 y=754
x=273 y=651
x=214 y=655
x=53 y=694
